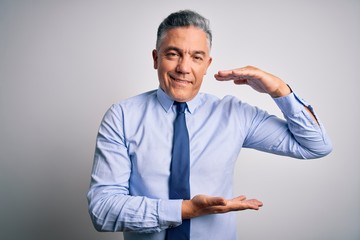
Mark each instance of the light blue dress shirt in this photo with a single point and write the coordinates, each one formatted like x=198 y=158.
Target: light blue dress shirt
x=129 y=185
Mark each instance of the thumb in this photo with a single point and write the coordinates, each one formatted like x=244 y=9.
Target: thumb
x=239 y=198
x=216 y=201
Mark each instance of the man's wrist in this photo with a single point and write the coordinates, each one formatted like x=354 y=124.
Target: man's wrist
x=282 y=91
x=186 y=209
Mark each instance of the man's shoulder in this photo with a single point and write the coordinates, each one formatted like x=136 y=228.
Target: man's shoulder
x=227 y=103
x=214 y=99
x=137 y=100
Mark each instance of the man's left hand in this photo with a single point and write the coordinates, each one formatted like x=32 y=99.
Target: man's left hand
x=259 y=80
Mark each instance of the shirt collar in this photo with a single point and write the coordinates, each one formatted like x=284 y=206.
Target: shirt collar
x=166 y=101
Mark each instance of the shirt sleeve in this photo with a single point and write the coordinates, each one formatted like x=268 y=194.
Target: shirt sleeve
x=111 y=207
x=298 y=136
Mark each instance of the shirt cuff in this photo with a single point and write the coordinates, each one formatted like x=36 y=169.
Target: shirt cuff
x=170 y=213
x=291 y=104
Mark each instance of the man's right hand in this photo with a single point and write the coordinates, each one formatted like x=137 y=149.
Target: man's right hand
x=204 y=205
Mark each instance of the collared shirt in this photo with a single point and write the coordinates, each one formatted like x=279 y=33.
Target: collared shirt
x=129 y=185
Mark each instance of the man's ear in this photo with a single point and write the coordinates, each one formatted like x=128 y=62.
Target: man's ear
x=155 y=58
x=208 y=64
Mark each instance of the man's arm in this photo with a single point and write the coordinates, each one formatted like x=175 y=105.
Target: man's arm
x=259 y=80
x=301 y=136
x=111 y=206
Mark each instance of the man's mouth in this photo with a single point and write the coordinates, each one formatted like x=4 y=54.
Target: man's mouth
x=179 y=80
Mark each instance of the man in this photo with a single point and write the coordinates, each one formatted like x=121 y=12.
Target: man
x=132 y=172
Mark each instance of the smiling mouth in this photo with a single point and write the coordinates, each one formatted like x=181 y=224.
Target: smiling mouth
x=179 y=80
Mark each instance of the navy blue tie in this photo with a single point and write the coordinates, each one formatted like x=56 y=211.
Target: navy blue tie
x=180 y=171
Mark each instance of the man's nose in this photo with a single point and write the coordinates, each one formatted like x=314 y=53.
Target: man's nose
x=184 y=65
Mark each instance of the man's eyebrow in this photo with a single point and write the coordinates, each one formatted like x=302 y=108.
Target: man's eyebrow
x=199 y=52
x=172 y=48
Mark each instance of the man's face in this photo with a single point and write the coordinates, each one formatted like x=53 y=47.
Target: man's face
x=181 y=61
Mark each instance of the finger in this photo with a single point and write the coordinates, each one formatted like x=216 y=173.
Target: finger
x=224 y=75
x=235 y=74
x=239 y=198
x=231 y=77
x=260 y=204
x=223 y=78
x=241 y=81
x=241 y=203
x=254 y=204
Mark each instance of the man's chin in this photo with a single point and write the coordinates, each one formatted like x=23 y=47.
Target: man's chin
x=181 y=97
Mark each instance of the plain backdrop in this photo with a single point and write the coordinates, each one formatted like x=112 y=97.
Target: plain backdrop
x=63 y=63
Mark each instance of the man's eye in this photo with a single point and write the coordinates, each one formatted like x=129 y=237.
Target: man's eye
x=172 y=55
x=198 y=58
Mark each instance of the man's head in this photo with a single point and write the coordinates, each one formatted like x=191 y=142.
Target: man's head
x=182 y=54
x=184 y=18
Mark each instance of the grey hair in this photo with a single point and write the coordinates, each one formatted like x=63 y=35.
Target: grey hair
x=183 y=18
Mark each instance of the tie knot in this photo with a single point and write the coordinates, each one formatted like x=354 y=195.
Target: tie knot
x=180 y=107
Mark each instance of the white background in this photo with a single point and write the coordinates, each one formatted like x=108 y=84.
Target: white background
x=63 y=63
